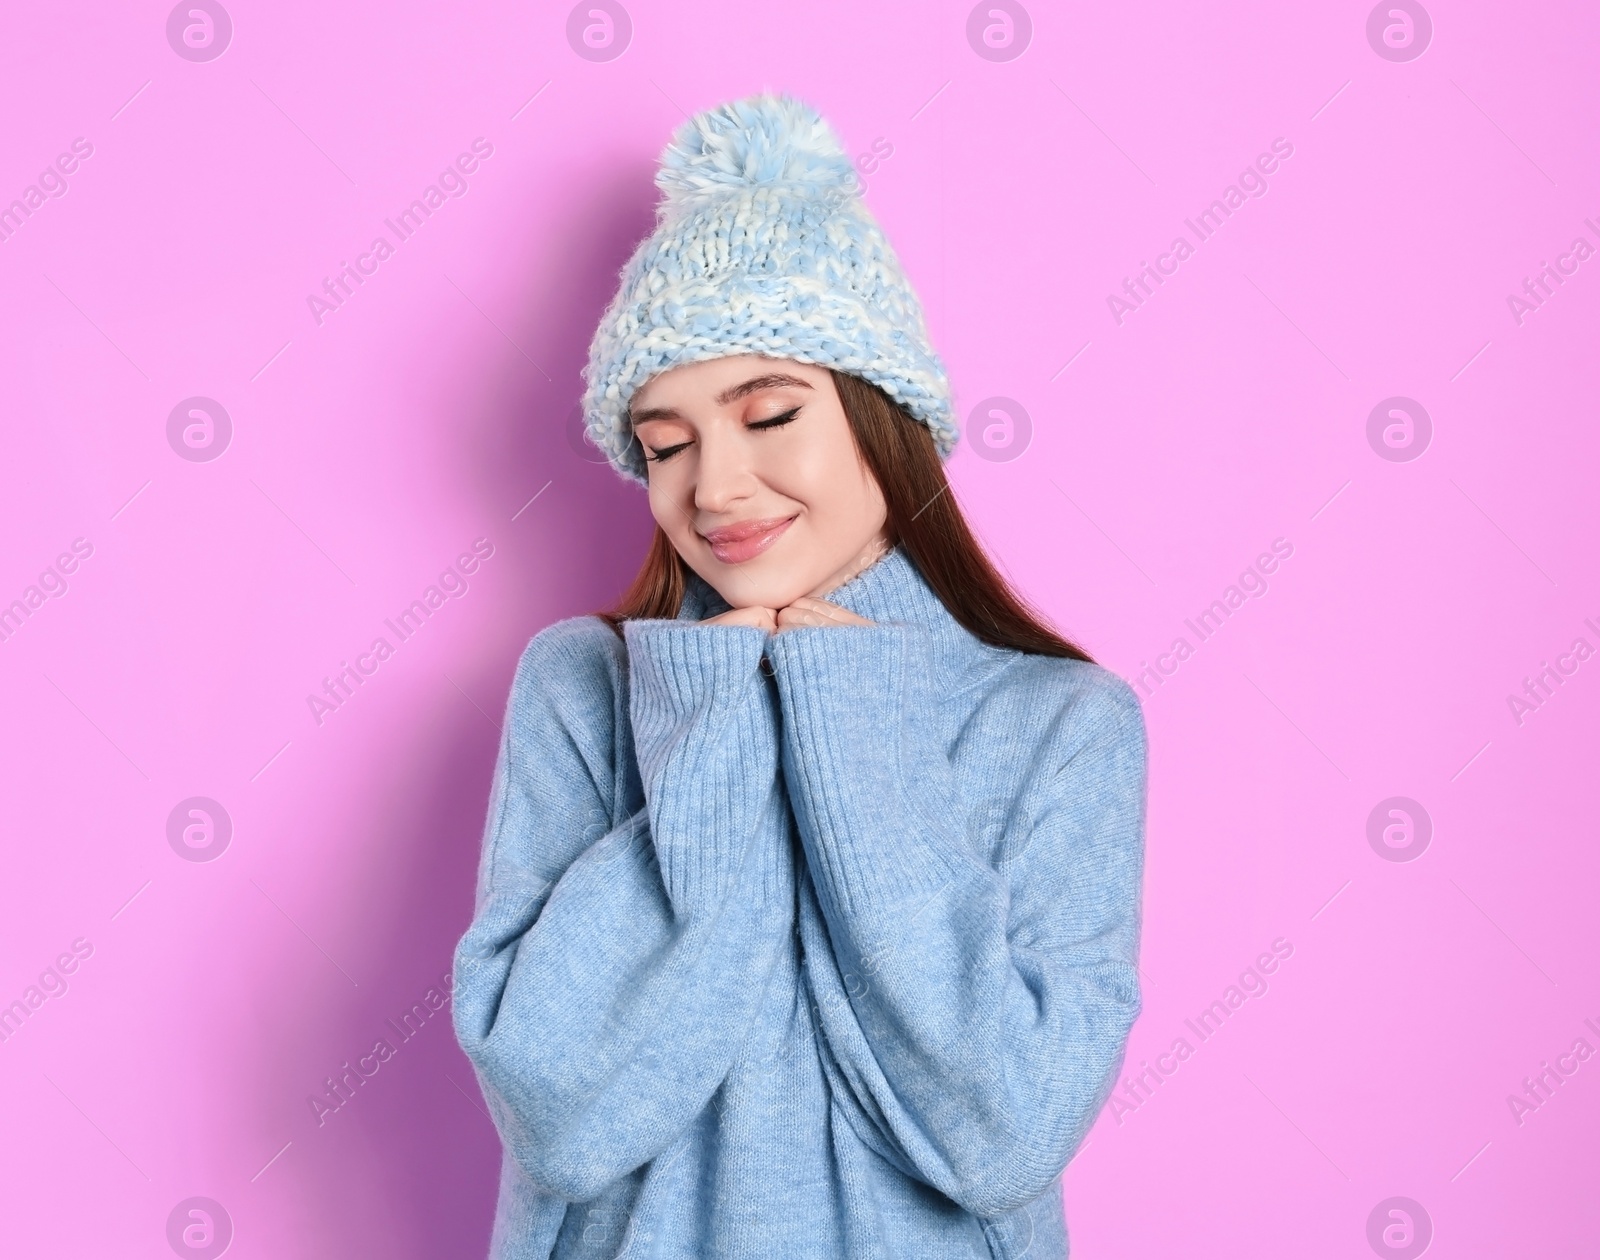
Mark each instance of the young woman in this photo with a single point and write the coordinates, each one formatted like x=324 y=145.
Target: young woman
x=808 y=908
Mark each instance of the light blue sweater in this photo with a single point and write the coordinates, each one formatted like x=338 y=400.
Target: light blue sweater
x=836 y=961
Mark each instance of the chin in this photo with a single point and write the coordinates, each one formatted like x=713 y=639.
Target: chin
x=761 y=595
x=743 y=586
x=787 y=570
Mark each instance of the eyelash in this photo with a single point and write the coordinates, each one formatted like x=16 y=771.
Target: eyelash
x=773 y=422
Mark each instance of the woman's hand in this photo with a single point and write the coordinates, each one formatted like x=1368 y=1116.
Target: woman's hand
x=761 y=618
x=806 y=611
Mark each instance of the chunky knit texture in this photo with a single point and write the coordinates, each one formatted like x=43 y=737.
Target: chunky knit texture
x=836 y=961
x=762 y=246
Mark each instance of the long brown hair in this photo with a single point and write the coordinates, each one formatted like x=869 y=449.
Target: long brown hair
x=923 y=516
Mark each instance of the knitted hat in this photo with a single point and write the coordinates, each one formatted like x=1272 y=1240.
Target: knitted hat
x=762 y=245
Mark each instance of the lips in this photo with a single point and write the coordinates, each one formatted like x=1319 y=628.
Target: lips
x=744 y=540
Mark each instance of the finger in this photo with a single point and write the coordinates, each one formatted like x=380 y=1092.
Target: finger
x=820 y=608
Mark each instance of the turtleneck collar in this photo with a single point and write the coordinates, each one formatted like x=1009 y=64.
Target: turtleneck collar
x=892 y=589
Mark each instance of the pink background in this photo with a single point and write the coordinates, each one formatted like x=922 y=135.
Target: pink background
x=1167 y=452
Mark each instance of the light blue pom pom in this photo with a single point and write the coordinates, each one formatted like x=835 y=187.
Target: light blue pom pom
x=765 y=139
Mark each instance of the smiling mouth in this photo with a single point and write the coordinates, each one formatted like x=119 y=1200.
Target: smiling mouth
x=734 y=544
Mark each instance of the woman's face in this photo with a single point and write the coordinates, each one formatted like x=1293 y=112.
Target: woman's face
x=755 y=477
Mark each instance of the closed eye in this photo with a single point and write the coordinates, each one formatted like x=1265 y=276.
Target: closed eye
x=776 y=422
x=666 y=453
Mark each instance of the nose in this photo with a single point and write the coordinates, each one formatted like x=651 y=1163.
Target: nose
x=723 y=474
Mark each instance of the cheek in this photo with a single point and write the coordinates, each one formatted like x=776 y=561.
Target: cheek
x=796 y=469
x=841 y=499
x=668 y=510
x=816 y=466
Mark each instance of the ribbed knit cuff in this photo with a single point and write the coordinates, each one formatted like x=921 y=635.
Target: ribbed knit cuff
x=678 y=666
x=874 y=796
x=706 y=740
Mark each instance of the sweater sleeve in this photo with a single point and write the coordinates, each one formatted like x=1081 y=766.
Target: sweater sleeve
x=617 y=957
x=975 y=1018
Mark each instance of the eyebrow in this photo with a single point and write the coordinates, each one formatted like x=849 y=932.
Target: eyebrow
x=772 y=380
